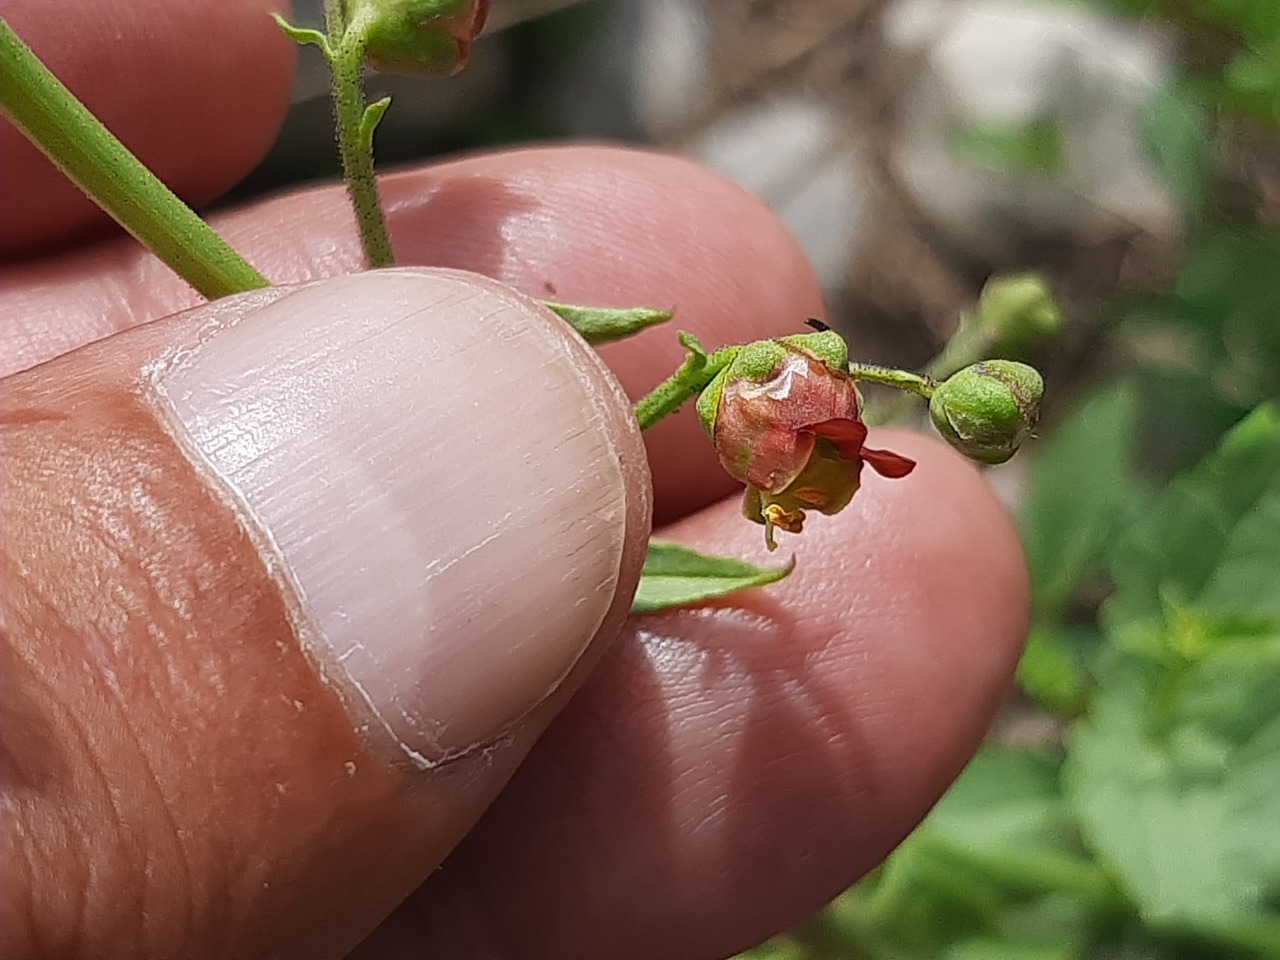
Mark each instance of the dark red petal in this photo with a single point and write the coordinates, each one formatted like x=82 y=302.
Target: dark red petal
x=888 y=464
x=848 y=435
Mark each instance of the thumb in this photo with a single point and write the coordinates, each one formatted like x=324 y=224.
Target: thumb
x=290 y=583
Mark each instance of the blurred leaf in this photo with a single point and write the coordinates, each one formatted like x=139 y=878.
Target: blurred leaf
x=1053 y=670
x=1081 y=492
x=1179 y=814
x=1253 y=81
x=999 y=854
x=1193 y=527
x=1005 y=950
x=1247 y=577
x=1179 y=145
x=1174 y=773
x=673 y=576
x=1035 y=147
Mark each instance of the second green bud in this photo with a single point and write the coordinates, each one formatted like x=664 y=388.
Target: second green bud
x=986 y=410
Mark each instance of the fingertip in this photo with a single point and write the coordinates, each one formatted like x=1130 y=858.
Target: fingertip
x=913 y=602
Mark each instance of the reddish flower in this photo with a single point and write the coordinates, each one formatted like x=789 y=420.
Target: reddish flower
x=795 y=438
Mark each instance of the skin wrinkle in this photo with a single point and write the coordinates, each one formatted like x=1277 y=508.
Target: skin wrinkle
x=36 y=858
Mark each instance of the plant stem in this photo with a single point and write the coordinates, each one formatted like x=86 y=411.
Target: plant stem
x=355 y=121
x=335 y=17
x=686 y=383
x=100 y=165
x=914 y=383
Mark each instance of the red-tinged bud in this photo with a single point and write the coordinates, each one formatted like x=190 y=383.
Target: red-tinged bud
x=418 y=36
x=794 y=435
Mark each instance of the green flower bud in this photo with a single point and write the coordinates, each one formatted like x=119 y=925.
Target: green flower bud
x=1018 y=310
x=985 y=411
x=418 y=36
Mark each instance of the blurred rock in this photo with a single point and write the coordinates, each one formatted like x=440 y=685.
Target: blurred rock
x=1025 y=123
x=793 y=154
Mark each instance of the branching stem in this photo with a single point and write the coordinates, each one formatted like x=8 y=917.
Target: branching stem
x=914 y=383
x=100 y=165
x=355 y=121
x=694 y=375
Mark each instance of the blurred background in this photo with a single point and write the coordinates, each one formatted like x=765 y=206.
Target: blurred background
x=945 y=163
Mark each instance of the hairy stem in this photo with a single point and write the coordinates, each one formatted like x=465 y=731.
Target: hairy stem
x=355 y=121
x=100 y=165
x=912 y=383
x=698 y=370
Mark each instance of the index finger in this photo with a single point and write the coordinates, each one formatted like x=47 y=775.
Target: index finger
x=197 y=89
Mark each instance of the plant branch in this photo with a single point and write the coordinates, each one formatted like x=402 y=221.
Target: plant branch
x=100 y=165
x=697 y=371
x=355 y=122
x=912 y=383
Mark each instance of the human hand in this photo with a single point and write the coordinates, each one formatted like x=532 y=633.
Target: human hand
x=465 y=527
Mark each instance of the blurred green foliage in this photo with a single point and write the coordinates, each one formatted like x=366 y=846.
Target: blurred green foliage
x=1145 y=819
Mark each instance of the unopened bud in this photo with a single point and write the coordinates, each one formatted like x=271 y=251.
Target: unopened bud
x=1018 y=310
x=418 y=36
x=985 y=411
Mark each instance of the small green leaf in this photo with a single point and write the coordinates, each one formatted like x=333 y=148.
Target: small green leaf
x=599 y=325
x=674 y=576
x=303 y=35
x=370 y=119
x=1053 y=670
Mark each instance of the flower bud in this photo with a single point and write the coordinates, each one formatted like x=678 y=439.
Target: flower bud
x=418 y=36
x=1018 y=310
x=785 y=419
x=985 y=411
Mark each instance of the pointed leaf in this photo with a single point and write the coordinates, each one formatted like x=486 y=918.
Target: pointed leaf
x=371 y=117
x=674 y=576
x=303 y=35
x=599 y=325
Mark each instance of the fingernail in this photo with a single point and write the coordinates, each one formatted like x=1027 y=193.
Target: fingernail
x=434 y=472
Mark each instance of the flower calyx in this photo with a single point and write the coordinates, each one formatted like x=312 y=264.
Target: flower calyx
x=785 y=418
x=418 y=37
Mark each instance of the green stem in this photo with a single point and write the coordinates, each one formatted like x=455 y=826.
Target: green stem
x=335 y=17
x=899 y=379
x=100 y=165
x=686 y=383
x=355 y=121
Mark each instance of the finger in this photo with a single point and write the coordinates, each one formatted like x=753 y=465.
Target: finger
x=586 y=225
x=197 y=89
x=289 y=586
x=727 y=770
